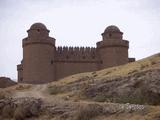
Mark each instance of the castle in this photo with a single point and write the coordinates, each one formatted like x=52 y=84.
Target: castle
x=43 y=62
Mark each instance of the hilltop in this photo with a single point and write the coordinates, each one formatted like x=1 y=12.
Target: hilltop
x=130 y=91
x=6 y=82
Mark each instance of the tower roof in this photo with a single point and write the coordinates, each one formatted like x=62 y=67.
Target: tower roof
x=112 y=28
x=40 y=26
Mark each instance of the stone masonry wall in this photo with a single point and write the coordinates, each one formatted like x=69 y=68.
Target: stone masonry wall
x=72 y=60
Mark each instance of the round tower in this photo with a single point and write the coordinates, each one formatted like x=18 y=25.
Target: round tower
x=38 y=55
x=113 y=50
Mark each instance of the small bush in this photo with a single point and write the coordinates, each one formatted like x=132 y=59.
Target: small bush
x=100 y=98
x=2 y=95
x=152 y=98
x=54 y=89
x=142 y=67
x=132 y=72
x=141 y=96
x=95 y=75
x=88 y=112
x=139 y=99
x=7 y=111
x=108 y=72
x=27 y=109
x=153 y=62
x=19 y=114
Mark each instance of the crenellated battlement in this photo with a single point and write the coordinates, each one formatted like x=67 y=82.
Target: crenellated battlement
x=76 y=54
x=45 y=62
x=75 y=49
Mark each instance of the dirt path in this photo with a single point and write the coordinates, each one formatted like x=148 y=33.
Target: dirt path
x=35 y=91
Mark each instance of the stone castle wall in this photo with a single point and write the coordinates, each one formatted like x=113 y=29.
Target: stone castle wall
x=72 y=60
x=43 y=62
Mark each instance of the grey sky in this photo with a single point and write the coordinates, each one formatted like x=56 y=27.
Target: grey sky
x=78 y=23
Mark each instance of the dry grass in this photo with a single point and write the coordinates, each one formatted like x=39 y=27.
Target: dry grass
x=131 y=68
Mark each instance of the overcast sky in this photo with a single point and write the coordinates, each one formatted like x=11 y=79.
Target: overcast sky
x=78 y=23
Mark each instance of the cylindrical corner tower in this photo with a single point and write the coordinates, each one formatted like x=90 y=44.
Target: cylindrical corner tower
x=38 y=55
x=113 y=50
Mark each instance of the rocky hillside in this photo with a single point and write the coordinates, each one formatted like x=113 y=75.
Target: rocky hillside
x=127 y=92
x=137 y=83
x=6 y=82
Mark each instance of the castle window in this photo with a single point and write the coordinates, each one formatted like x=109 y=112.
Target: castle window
x=110 y=35
x=51 y=61
x=38 y=30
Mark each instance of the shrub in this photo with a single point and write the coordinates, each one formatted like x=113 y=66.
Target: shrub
x=139 y=99
x=153 y=62
x=95 y=75
x=19 y=114
x=141 y=96
x=142 y=67
x=27 y=109
x=7 y=111
x=54 y=89
x=89 y=111
x=2 y=95
x=132 y=72
x=152 y=98
x=100 y=98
